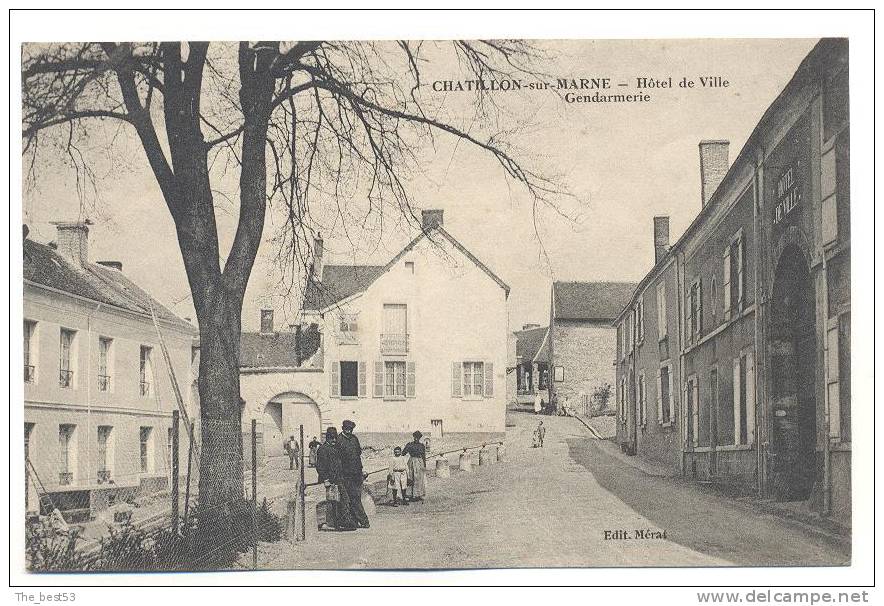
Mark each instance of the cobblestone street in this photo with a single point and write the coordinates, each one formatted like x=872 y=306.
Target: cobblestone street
x=547 y=507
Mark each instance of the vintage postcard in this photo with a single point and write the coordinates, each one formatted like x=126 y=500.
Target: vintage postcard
x=435 y=304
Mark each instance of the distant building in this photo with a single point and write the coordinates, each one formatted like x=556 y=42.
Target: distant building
x=419 y=343
x=734 y=361
x=582 y=340
x=532 y=363
x=98 y=397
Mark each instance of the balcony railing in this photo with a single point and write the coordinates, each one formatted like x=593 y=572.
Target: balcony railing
x=30 y=373
x=394 y=344
x=104 y=476
x=65 y=478
x=104 y=382
x=65 y=378
x=145 y=388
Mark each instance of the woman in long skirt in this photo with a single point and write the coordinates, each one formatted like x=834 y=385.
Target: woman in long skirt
x=417 y=467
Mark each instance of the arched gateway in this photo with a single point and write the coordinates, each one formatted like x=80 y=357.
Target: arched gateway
x=283 y=416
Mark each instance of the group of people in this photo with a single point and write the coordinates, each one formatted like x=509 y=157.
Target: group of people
x=339 y=467
x=407 y=476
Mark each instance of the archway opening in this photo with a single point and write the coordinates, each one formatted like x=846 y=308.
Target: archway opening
x=295 y=409
x=793 y=469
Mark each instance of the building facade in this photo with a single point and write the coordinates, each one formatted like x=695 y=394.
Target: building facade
x=420 y=343
x=758 y=290
x=532 y=363
x=98 y=394
x=582 y=342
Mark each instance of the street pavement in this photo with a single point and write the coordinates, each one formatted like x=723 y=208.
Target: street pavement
x=551 y=507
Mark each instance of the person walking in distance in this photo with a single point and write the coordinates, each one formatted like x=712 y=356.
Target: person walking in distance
x=541 y=433
x=351 y=470
x=417 y=467
x=397 y=476
x=314 y=444
x=336 y=507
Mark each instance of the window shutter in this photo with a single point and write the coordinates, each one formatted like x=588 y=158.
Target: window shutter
x=378 y=380
x=750 y=398
x=456 y=387
x=685 y=427
x=489 y=379
x=334 y=387
x=833 y=387
x=410 y=389
x=659 y=397
x=736 y=402
x=696 y=413
x=362 y=379
x=727 y=283
x=700 y=307
x=740 y=297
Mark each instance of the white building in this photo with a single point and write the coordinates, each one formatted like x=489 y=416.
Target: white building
x=417 y=344
x=98 y=397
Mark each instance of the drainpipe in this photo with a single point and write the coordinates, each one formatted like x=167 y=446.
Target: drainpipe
x=827 y=480
x=679 y=268
x=760 y=405
x=87 y=378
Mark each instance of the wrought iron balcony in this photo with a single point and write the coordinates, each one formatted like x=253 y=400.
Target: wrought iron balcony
x=104 y=476
x=393 y=344
x=65 y=478
x=145 y=388
x=104 y=382
x=65 y=378
x=30 y=373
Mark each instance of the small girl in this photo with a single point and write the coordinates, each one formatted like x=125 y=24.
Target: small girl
x=397 y=478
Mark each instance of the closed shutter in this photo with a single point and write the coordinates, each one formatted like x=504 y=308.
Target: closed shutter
x=833 y=386
x=696 y=413
x=411 y=388
x=700 y=307
x=740 y=297
x=685 y=428
x=456 y=387
x=489 y=379
x=362 y=380
x=659 y=397
x=334 y=387
x=727 y=283
x=750 y=397
x=378 y=380
x=736 y=401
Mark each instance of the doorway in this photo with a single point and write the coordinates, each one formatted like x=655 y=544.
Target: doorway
x=272 y=430
x=793 y=466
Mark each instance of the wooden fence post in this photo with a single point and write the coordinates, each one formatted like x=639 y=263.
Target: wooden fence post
x=302 y=535
x=255 y=493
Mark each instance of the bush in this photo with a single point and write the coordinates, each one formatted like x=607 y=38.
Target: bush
x=48 y=549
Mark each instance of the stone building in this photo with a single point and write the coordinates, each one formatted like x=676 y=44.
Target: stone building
x=582 y=340
x=532 y=362
x=757 y=291
x=98 y=394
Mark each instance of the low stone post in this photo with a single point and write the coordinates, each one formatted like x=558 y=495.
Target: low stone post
x=442 y=469
x=485 y=457
x=465 y=463
x=501 y=452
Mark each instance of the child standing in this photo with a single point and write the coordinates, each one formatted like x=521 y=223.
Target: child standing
x=397 y=478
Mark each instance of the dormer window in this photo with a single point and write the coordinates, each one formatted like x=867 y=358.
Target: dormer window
x=348 y=329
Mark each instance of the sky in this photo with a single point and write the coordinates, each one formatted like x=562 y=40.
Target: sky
x=623 y=164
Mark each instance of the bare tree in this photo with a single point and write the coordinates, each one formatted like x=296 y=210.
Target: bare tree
x=296 y=121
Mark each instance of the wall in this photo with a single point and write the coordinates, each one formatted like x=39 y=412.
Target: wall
x=585 y=349
x=123 y=407
x=455 y=312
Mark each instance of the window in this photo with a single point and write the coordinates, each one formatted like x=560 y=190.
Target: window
x=543 y=380
x=640 y=320
x=394 y=379
x=105 y=453
x=30 y=358
x=844 y=376
x=394 y=338
x=266 y=321
x=734 y=289
x=66 y=450
x=409 y=267
x=145 y=449
x=104 y=352
x=348 y=328
x=694 y=321
x=620 y=341
x=66 y=358
x=472 y=380
x=661 y=311
x=642 y=400
x=622 y=400
x=347 y=379
x=692 y=400
x=744 y=398
x=664 y=395
x=713 y=299
x=145 y=369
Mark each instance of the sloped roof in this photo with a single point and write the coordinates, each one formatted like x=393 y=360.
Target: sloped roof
x=45 y=266
x=596 y=301
x=342 y=281
x=531 y=343
x=279 y=349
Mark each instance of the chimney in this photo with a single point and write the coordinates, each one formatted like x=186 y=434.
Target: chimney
x=530 y=326
x=431 y=218
x=266 y=321
x=318 y=250
x=118 y=265
x=661 y=238
x=73 y=241
x=25 y=230
x=713 y=166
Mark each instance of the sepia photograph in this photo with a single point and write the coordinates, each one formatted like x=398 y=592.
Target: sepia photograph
x=434 y=304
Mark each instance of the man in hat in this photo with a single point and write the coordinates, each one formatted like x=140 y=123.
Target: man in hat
x=328 y=468
x=351 y=470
